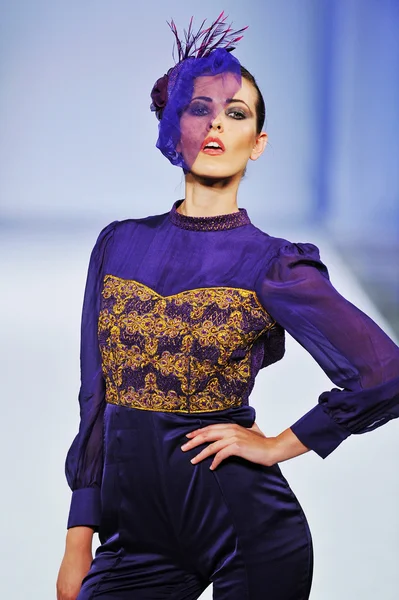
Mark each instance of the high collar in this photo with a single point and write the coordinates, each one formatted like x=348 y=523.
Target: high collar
x=217 y=223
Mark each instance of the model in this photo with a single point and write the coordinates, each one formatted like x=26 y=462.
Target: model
x=181 y=311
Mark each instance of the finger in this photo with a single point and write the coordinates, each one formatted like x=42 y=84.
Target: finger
x=201 y=439
x=230 y=450
x=211 y=436
x=214 y=427
x=209 y=451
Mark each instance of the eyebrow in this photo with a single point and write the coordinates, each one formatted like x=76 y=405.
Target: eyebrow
x=228 y=101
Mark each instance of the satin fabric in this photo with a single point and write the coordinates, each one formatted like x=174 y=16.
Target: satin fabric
x=170 y=528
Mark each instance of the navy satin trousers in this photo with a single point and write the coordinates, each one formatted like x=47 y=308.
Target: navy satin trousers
x=169 y=528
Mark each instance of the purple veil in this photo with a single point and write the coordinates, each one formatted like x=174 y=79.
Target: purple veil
x=206 y=53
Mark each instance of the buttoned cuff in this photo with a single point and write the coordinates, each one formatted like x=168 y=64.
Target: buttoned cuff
x=85 y=508
x=319 y=432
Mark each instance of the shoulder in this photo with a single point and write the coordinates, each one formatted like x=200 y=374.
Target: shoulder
x=127 y=226
x=279 y=248
x=285 y=262
x=269 y=243
x=295 y=262
x=150 y=222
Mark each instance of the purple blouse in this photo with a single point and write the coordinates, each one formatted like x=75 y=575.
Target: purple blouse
x=180 y=314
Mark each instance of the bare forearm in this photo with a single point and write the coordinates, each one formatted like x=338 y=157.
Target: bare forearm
x=79 y=539
x=286 y=446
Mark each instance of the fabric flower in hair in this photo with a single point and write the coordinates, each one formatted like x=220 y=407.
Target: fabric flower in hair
x=159 y=94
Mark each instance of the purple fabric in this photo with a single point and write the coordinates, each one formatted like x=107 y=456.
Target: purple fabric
x=292 y=286
x=84 y=462
x=351 y=349
x=169 y=528
x=85 y=507
x=200 y=116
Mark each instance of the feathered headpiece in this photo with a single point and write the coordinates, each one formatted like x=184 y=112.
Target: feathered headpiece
x=218 y=35
x=205 y=52
x=194 y=45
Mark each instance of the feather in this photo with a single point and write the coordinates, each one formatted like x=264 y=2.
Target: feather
x=204 y=41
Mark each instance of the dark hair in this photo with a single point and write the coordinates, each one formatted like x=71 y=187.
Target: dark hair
x=260 y=103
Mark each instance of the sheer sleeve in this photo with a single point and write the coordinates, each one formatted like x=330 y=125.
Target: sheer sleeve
x=84 y=461
x=351 y=349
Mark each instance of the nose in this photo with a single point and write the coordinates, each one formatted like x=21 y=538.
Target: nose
x=216 y=123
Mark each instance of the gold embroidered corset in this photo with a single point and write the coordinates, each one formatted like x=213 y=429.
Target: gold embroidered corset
x=187 y=352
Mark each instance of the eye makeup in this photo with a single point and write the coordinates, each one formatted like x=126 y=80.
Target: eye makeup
x=202 y=109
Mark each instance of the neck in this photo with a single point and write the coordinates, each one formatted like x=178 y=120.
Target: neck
x=206 y=197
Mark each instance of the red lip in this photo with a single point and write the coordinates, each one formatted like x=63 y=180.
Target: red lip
x=213 y=139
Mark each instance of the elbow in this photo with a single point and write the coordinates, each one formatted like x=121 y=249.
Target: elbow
x=381 y=374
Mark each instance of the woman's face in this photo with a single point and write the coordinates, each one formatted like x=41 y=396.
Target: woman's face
x=222 y=110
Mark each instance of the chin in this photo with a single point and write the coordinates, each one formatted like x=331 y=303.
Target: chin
x=215 y=171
